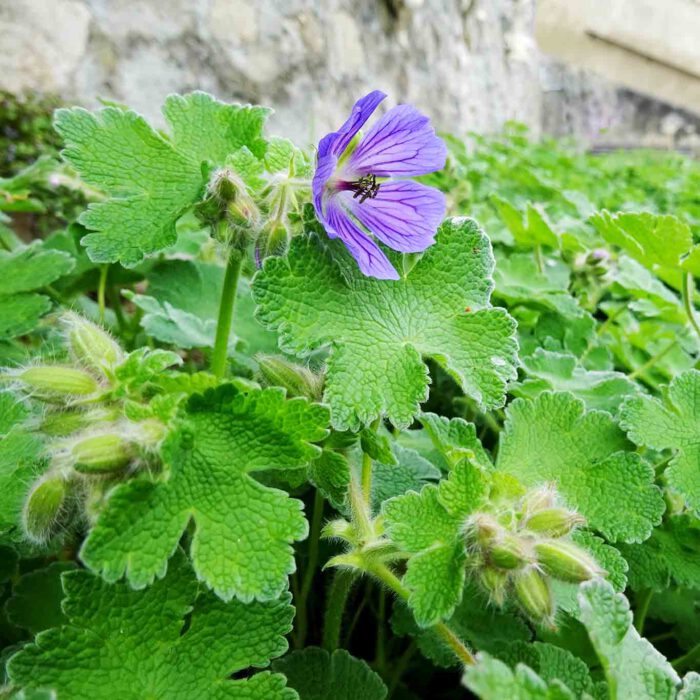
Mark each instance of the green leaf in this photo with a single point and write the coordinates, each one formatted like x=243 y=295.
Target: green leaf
x=182 y=308
x=534 y=230
x=241 y=544
x=655 y=240
x=518 y=281
x=672 y=553
x=20 y=464
x=428 y=526
x=410 y=472
x=148 y=178
x=378 y=330
x=554 y=371
x=317 y=675
x=553 y=439
x=330 y=473
x=632 y=666
x=491 y=679
x=35 y=604
x=21 y=272
x=30 y=268
x=134 y=644
x=691 y=687
x=456 y=440
x=673 y=423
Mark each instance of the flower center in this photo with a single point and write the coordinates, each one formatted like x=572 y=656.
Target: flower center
x=366 y=187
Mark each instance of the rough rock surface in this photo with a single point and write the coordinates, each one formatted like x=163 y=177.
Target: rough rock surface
x=471 y=64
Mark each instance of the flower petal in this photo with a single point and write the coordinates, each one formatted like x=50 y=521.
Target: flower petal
x=370 y=258
x=401 y=143
x=331 y=146
x=405 y=215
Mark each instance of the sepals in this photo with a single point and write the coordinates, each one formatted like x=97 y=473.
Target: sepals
x=56 y=381
x=509 y=552
x=43 y=508
x=296 y=379
x=91 y=346
x=534 y=595
x=567 y=562
x=101 y=454
x=554 y=522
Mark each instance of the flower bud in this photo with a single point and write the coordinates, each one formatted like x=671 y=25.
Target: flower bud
x=509 y=552
x=100 y=454
x=296 y=379
x=91 y=346
x=554 y=522
x=61 y=423
x=566 y=561
x=485 y=529
x=43 y=508
x=539 y=499
x=273 y=239
x=55 y=380
x=238 y=215
x=534 y=594
x=494 y=582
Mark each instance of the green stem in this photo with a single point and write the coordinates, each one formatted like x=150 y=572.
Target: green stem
x=311 y=564
x=104 y=270
x=539 y=259
x=401 y=665
x=642 y=607
x=389 y=579
x=115 y=302
x=688 y=660
x=223 y=326
x=653 y=360
x=688 y=293
x=335 y=608
x=367 y=470
x=380 y=650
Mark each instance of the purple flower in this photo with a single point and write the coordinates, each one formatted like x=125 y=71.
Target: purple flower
x=355 y=192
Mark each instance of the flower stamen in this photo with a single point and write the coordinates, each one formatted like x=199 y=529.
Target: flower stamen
x=366 y=187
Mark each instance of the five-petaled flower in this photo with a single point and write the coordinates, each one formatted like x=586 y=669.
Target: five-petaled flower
x=353 y=196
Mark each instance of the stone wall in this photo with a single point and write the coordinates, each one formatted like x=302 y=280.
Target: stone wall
x=470 y=64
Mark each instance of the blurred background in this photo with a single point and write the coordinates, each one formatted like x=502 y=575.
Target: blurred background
x=619 y=73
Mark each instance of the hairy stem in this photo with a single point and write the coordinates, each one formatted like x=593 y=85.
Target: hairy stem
x=311 y=564
x=223 y=326
x=688 y=294
x=389 y=579
x=335 y=608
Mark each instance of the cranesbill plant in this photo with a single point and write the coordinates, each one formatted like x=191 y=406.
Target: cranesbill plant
x=286 y=427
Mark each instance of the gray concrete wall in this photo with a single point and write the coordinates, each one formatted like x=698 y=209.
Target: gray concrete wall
x=470 y=64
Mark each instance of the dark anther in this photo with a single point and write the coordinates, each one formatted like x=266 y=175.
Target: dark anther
x=365 y=188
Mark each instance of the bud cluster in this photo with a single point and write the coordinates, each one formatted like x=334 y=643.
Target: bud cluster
x=88 y=431
x=521 y=548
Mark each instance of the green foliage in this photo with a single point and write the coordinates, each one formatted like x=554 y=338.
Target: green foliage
x=489 y=468
x=375 y=367
x=130 y=644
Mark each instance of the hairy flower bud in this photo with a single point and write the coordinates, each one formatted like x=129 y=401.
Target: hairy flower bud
x=566 y=561
x=273 y=239
x=509 y=552
x=91 y=346
x=534 y=594
x=539 y=499
x=55 y=381
x=296 y=379
x=100 y=454
x=554 y=522
x=230 y=207
x=494 y=582
x=485 y=529
x=43 y=507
